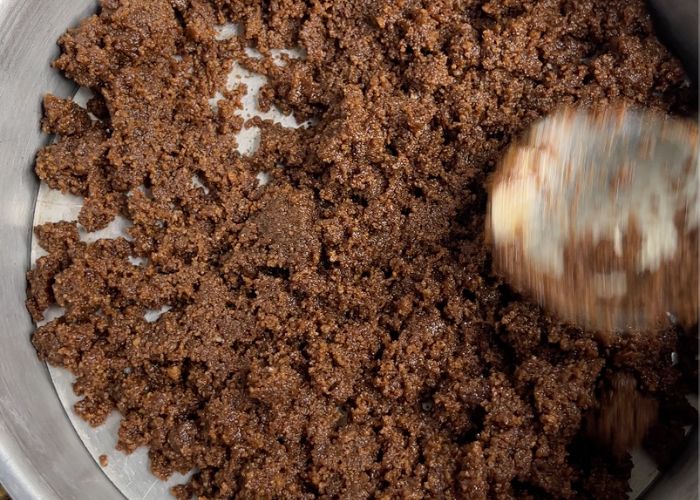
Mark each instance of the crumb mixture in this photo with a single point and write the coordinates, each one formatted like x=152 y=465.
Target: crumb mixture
x=337 y=332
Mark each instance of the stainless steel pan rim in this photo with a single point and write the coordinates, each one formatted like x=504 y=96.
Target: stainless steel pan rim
x=41 y=456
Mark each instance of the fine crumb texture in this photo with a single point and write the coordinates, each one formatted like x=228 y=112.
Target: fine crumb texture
x=104 y=460
x=336 y=332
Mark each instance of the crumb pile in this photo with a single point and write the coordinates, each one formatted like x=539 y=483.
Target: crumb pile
x=338 y=331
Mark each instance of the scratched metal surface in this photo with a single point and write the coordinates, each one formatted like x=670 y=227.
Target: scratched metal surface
x=41 y=456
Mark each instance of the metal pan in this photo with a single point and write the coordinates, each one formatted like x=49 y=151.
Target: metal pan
x=41 y=455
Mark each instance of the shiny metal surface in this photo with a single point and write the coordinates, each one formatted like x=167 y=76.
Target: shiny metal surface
x=676 y=23
x=681 y=481
x=41 y=456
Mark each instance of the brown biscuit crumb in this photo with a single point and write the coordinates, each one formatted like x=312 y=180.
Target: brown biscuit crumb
x=63 y=117
x=337 y=332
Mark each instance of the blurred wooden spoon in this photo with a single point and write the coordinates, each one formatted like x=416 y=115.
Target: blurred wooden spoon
x=595 y=215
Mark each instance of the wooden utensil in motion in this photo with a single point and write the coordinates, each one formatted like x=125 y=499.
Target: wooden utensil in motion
x=595 y=215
